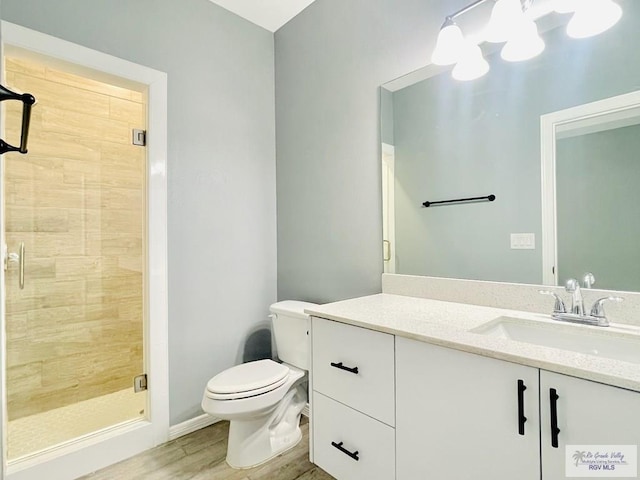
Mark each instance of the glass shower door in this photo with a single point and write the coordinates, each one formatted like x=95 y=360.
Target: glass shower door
x=75 y=216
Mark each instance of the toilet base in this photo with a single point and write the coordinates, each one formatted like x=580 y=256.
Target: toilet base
x=283 y=448
x=255 y=441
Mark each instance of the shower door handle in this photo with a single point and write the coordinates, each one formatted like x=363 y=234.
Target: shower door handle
x=19 y=259
x=28 y=101
x=21 y=267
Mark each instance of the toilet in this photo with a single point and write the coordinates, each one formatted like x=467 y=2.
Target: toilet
x=263 y=399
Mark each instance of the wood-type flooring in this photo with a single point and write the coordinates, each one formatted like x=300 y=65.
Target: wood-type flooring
x=201 y=456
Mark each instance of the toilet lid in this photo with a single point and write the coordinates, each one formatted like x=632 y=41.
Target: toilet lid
x=249 y=377
x=247 y=394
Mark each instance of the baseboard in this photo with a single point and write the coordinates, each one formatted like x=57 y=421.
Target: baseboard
x=203 y=421
x=185 y=428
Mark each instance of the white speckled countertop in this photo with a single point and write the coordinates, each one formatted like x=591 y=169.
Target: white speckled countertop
x=448 y=324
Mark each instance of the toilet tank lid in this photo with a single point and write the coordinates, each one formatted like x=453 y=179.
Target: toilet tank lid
x=291 y=307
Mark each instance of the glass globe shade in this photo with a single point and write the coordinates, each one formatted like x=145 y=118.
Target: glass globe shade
x=504 y=16
x=593 y=17
x=449 y=45
x=525 y=44
x=471 y=65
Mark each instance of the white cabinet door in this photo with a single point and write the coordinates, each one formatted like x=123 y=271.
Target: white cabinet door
x=586 y=414
x=458 y=416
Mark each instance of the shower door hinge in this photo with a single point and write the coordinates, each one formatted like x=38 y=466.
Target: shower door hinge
x=140 y=383
x=139 y=137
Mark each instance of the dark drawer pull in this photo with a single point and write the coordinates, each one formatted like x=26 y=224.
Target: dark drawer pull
x=521 y=418
x=339 y=446
x=342 y=367
x=553 y=404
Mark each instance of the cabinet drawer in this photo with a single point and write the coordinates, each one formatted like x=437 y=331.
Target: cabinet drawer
x=354 y=366
x=349 y=445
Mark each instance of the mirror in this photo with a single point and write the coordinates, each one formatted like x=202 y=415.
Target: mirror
x=590 y=194
x=445 y=140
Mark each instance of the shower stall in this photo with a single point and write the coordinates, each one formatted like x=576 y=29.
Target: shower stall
x=83 y=227
x=75 y=222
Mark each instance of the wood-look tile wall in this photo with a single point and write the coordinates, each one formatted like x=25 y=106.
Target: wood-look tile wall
x=77 y=201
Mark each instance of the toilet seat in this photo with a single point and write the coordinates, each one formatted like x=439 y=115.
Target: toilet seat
x=247 y=380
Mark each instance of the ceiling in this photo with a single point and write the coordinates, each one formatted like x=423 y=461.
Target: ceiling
x=269 y=14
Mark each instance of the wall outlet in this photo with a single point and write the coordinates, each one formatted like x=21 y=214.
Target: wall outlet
x=523 y=241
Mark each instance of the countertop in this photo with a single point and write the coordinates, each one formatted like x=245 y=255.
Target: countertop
x=448 y=324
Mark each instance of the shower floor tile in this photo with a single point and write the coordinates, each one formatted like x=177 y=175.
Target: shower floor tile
x=29 y=435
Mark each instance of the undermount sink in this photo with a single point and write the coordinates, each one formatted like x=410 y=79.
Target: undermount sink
x=607 y=343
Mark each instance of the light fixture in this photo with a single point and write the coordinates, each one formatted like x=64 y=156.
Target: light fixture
x=449 y=44
x=593 y=17
x=513 y=22
x=471 y=64
x=506 y=14
x=525 y=42
x=565 y=6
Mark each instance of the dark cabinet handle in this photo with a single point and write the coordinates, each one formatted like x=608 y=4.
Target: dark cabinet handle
x=28 y=101
x=339 y=446
x=521 y=418
x=553 y=403
x=342 y=367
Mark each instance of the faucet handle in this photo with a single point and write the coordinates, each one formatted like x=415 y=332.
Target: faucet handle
x=588 y=280
x=572 y=285
x=598 y=306
x=559 y=306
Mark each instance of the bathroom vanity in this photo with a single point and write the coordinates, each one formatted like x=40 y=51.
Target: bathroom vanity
x=407 y=388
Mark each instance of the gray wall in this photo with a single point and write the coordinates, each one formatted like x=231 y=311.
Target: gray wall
x=330 y=61
x=598 y=194
x=221 y=165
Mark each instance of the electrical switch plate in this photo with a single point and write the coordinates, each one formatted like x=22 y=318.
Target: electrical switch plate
x=523 y=241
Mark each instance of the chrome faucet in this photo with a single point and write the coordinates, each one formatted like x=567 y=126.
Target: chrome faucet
x=577 y=313
x=577 y=302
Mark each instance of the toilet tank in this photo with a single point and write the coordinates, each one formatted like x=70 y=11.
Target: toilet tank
x=291 y=332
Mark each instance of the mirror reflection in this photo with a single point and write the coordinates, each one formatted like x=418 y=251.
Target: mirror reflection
x=444 y=139
x=590 y=192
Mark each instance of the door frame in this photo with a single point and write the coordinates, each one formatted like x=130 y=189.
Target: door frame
x=553 y=126
x=388 y=207
x=109 y=446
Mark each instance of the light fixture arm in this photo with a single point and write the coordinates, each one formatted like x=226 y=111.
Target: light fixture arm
x=526 y=4
x=464 y=10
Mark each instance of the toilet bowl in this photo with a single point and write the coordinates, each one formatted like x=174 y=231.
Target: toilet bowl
x=263 y=399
